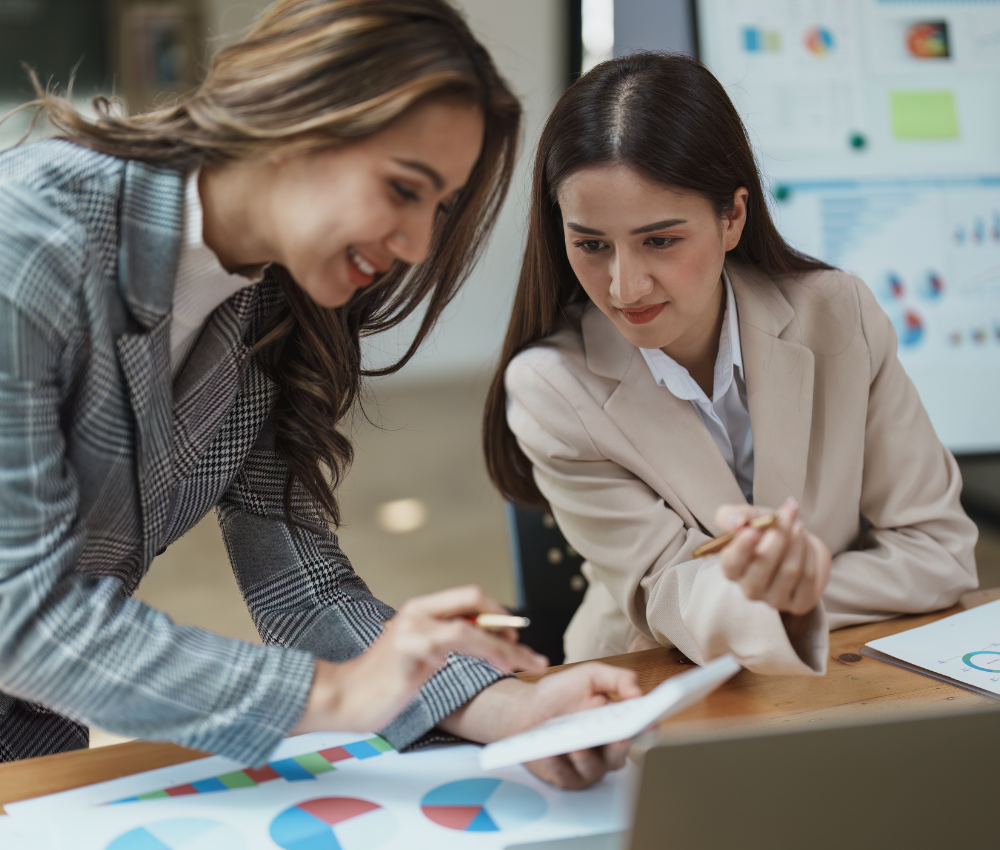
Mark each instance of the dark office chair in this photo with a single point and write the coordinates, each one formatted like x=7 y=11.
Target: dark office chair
x=547 y=578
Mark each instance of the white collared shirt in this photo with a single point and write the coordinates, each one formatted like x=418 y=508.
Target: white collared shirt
x=726 y=415
x=202 y=283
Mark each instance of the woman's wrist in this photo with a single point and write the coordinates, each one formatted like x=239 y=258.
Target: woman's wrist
x=322 y=706
x=495 y=712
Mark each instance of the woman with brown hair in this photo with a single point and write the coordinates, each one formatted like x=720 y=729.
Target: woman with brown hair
x=673 y=368
x=182 y=295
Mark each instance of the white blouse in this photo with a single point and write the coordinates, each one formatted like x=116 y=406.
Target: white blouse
x=201 y=285
x=726 y=415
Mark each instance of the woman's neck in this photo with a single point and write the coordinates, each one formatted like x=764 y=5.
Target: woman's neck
x=698 y=349
x=231 y=195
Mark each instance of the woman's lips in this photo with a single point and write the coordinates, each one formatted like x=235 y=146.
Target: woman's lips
x=643 y=315
x=360 y=270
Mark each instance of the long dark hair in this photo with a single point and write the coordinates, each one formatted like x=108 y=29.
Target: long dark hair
x=312 y=74
x=666 y=117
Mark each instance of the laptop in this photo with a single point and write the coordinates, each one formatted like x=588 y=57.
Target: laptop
x=926 y=781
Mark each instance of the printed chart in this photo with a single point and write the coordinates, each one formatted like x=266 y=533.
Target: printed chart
x=333 y=823
x=965 y=648
x=295 y=769
x=483 y=805
x=181 y=834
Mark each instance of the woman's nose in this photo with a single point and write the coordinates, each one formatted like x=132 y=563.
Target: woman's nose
x=411 y=240
x=629 y=283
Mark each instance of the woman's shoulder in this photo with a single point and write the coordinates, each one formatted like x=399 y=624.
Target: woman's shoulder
x=830 y=310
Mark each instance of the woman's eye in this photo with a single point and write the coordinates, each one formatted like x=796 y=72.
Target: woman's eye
x=661 y=241
x=590 y=246
x=405 y=193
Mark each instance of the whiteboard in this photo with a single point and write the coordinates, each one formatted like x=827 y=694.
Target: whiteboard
x=877 y=127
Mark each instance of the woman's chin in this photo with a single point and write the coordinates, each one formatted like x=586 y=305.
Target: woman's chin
x=327 y=293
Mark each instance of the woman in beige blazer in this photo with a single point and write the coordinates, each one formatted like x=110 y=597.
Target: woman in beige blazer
x=673 y=367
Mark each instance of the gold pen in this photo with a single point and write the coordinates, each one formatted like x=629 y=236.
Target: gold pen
x=492 y=621
x=717 y=544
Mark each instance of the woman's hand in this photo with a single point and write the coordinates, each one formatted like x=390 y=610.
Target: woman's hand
x=369 y=691
x=511 y=706
x=784 y=565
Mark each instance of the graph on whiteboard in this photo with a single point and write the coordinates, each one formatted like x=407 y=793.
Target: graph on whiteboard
x=964 y=647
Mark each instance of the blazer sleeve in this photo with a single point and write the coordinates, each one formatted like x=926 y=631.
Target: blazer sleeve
x=70 y=641
x=303 y=592
x=919 y=551
x=636 y=545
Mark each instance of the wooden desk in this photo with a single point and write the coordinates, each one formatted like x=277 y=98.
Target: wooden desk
x=854 y=687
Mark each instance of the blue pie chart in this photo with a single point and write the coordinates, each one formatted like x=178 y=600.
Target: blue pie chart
x=181 y=834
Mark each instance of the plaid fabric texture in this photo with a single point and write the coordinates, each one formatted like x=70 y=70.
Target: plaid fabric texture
x=104 y=463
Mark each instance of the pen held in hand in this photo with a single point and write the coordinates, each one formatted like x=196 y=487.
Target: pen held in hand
x=492 y=621
x=717 y=544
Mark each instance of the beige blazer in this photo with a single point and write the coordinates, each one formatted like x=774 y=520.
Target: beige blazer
x=634 y=478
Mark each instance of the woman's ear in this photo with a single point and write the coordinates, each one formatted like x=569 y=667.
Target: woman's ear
x=736 y=218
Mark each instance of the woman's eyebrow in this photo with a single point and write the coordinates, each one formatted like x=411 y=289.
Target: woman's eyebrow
x=648 y=228
x=659 y=225
x=424 y=169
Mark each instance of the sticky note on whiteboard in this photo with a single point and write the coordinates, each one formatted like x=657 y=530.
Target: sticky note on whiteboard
x=925 y=114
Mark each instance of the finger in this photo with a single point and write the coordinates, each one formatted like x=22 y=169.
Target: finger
x=768 y=555
x=607 y=679
x=807 y=593
x=736 y=557
x=461 y=636
x=789 y=573
x=558 y=771
x=615 y=755
x=589 y=764
x=454 y=602
x=728 y=517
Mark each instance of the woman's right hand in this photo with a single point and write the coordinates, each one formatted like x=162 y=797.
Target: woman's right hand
x=369 y=691
x=785 y=565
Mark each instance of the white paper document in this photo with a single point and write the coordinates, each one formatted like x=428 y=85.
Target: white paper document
x=963 y=649
x=618 y=721
x=325 y=792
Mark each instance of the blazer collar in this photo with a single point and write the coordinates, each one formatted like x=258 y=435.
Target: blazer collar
x=151 y=222
x=670 y=436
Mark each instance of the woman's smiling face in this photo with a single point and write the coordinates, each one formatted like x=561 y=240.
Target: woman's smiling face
x=341 y=217
x=649 y=256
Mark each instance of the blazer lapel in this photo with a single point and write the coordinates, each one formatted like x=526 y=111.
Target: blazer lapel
x=665 y=430
x=145 y=362
x=151 y=222
x=779 y=377
x=208 y=383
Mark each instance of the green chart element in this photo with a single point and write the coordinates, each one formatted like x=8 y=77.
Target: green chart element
x=923 y=114
x=967 y=659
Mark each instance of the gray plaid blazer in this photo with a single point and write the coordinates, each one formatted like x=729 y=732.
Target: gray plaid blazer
x=104 y=463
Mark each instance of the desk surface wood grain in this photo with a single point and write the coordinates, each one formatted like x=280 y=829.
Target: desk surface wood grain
x=854 y=688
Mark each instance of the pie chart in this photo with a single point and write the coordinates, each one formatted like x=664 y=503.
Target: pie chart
x=333 y=823
x=483 y=805
x=181 y=834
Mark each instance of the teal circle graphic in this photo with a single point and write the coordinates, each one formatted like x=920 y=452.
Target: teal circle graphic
x=967 y=659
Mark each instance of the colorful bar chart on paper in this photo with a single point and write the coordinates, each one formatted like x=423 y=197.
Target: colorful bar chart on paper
x=482 y=805
x=333 y=823
x=297 y=769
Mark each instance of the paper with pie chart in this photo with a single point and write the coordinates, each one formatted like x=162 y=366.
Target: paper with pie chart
x=963 y=650
x=376 y=799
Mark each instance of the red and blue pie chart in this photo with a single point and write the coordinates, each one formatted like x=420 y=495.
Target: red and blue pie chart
x=483 y=805
x=180 y=834
x=333 y=823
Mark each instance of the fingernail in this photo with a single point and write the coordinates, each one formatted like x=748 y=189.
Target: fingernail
x=735 y=519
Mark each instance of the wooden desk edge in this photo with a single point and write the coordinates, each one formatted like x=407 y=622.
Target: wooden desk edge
x=51 y=774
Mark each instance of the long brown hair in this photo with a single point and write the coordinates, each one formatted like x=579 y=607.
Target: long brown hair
x=666 y=117
x=309 y=75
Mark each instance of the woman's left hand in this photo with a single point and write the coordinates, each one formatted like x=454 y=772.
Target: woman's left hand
x=784 y=565
x=511 y=706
